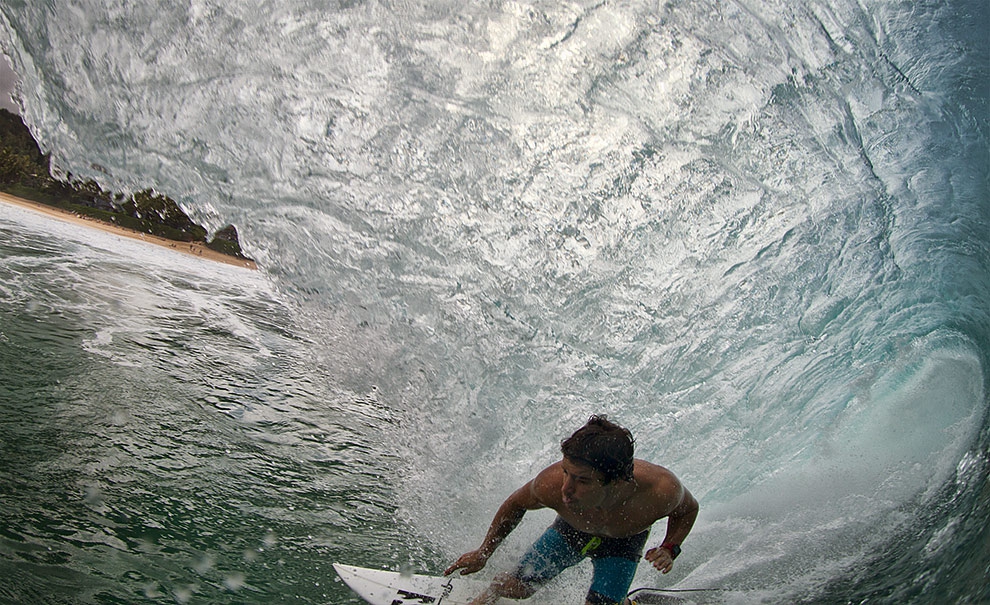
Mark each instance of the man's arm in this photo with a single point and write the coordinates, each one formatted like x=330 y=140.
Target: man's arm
x=679 y=524
x=506 y=519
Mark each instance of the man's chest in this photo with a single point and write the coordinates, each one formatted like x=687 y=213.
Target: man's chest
x=620 y=523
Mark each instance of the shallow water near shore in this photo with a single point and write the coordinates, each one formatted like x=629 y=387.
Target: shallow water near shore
x=755 y=234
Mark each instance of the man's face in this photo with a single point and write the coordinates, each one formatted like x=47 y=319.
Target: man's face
x=583 y=488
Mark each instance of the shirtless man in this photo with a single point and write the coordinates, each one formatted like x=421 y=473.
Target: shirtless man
x=606 y=501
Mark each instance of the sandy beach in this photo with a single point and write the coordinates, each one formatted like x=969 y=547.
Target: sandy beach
x=192 y=249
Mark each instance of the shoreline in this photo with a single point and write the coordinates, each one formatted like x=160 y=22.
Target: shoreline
x=190 y=248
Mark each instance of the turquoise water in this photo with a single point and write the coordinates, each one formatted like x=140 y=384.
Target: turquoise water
x=756 y=234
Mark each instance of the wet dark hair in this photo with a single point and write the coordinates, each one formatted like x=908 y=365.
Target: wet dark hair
x=604 y=446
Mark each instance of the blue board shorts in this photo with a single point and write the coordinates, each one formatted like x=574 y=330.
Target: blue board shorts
x=561 y=546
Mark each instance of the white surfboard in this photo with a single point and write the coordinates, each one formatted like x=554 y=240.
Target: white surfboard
x=380 y=587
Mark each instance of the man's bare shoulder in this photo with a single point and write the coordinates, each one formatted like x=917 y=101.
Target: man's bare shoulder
x=545 y=487
x=662 y=485
x=648 y=470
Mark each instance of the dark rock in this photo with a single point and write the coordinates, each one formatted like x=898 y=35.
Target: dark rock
x=225 y=241
x=26 y=172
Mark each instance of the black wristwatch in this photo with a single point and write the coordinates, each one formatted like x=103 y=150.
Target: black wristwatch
x=675 y=549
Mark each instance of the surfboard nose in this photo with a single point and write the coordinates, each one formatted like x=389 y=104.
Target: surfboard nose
x=381 y=587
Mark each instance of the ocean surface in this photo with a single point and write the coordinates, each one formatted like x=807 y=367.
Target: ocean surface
x=757 y=233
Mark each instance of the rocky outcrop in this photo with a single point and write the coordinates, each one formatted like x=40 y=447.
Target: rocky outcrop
x=26 y=172
x=225 y=241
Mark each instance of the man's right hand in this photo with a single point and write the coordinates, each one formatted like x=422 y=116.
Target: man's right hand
x=469 y=562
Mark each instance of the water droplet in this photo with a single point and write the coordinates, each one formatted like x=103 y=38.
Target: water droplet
x=184 y=595
x=269 y=539
x=204 y=565
x=94 y=495
x=234 y=582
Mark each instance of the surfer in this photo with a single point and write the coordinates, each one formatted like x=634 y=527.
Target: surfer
x=606 y=501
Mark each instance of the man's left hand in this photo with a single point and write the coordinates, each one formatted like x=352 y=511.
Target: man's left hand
x=661 y=558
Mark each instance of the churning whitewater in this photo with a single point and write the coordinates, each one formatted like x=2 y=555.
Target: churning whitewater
x=754 y=233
